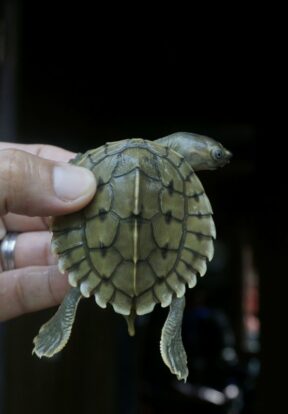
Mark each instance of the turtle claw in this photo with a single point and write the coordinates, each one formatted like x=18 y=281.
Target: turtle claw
x=171 y=346
x=55 y=333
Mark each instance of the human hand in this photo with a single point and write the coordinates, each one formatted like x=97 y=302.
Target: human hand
x=36 y=182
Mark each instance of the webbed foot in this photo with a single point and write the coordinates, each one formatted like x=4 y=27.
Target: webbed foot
x=55 y=333
x=171 y=346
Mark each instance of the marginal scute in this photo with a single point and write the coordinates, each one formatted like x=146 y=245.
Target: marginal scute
x=198 y=261
x=78 y=272
x=176 y=284
x=61 y=265
x=104 y=294
x=71 y=258
x=200 y=205
x=186 y=273
x=205 y=201
x=67 y=223
x=139 y=142
x=157 y=149
x=192 y=282
x=83 y=161
x=174 y=157
x=185 y=169
x=201 y=244
x=114 y=147
x=163 y=293
x=121 y=303
x=193 y=186
x=145 y=303
x=89 y=284
x=94 y=155
x=202 y=224
x=66 y=241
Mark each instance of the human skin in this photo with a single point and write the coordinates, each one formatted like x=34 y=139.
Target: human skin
x=36 y=182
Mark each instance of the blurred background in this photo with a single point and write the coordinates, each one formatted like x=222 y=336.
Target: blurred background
x=76 y=77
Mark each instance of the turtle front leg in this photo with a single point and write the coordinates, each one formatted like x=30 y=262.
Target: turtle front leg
x=55 y=333
x=171 y=346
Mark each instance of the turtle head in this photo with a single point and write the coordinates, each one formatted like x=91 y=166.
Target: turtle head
x=206 y=153
x=203 y=153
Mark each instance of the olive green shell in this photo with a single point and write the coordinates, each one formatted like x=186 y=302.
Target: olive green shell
x=147 y=232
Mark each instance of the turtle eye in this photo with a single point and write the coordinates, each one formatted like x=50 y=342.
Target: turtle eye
x=217 y=153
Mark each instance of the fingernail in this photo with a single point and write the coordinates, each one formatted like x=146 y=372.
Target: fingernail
x=71 y=182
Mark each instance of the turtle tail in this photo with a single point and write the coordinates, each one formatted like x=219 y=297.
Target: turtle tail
x=130 y=319
x=55 y=333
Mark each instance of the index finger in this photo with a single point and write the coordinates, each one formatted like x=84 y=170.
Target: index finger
x=50 y=152
x=30 y=289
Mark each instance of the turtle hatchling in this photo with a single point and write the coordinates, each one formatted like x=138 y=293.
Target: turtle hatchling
x=147 y=233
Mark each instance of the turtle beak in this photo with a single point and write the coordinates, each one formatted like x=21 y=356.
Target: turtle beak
x=228 y=156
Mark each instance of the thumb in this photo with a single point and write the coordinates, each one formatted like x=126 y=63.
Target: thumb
x=34 y=186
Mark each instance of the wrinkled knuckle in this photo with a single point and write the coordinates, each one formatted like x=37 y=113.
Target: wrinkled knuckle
x=9 y=171
x=16 y=172
x=10 y=159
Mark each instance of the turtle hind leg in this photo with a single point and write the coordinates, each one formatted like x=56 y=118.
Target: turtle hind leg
x=55 y=333
x=171 y=346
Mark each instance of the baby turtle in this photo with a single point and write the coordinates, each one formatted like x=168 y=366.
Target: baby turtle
x=147 y=233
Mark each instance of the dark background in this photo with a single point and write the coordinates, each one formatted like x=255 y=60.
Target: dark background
x=77 y=77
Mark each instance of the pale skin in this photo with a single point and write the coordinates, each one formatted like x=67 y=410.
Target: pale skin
x=35 y=184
